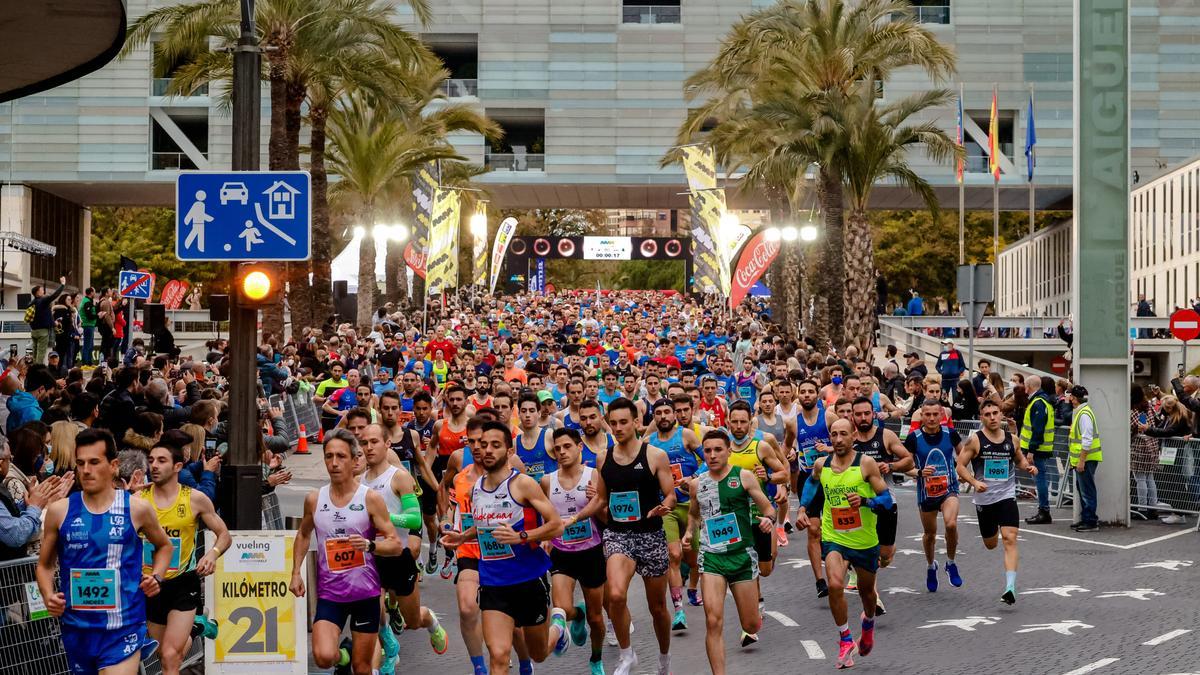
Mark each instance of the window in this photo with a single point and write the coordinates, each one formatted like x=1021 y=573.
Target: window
x=522 y=148
x=650 y=11
x=459 y=53
x=977 y=157
x=164 y=69
x=931 y=11
x=171 y=130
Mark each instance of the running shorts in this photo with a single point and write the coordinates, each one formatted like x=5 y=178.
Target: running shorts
x=586 y=566
x=885 y=525
x=992 y=517
x=648 y=550
x=675 y=523
x=528 y=603
x=466 y=564
x=428 y=498
x=90 y=650
x=177 y=594
x=736 y=567
x=363 y=614
x=439 y=465
x=935 y=504
x=763 y=542
x=397 y=573
x=864 y=559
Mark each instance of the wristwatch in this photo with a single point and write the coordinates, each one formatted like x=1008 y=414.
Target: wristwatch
x=159 y=579
x=524 y=535
x=371 y=546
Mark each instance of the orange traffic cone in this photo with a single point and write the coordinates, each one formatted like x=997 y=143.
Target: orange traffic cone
x=302 y=443
x=320 y=434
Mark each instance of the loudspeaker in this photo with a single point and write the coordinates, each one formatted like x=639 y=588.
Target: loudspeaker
x=340 y=289
x=24 y=300
x=218 y=308
x=154 y=317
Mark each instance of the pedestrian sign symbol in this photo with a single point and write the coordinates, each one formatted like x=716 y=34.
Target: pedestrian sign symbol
x=243 y=215
x=136 y=285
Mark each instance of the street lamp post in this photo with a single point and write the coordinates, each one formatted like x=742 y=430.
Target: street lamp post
x=789 y=235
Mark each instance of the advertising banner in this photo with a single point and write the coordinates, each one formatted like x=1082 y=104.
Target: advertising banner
x=752 y=262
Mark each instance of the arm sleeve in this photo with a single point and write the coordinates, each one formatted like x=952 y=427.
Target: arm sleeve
x=881 y=502
x=410 y=515
x=809 y=493
x=1086 y=432
x=16 y=531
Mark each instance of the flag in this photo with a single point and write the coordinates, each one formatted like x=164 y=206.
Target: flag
x=1030 y=141
x=441 y=272
x=751 y=263
x=994 y=141
x=504 y=235
x=958 y=171
x=424 y=182
x=480 y=246
x=708 y=204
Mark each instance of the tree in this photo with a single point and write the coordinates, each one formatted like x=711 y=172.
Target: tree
x=649 y=274
x=147 y=235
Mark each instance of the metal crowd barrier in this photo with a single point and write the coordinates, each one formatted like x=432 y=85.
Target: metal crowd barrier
x=1174 y=484
x=298 y=409
x=272 y=515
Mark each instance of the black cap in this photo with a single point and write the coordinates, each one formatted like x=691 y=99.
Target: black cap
x=912 y=354
x=1080 y=392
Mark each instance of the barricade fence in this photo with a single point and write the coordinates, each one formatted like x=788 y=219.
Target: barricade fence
x=298 y=409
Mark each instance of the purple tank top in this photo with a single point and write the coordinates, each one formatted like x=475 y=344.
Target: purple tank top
x=344 y=574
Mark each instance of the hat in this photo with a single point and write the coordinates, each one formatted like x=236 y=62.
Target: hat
x=52 y=355
x=911 y=355
x=1080 y=392
x=543 y=396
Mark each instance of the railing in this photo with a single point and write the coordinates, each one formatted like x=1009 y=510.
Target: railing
x=1013 y=327
x=171 y=161
x=510 y=162
x=927 y=14
x=161 y=86
x=906 y=339
x=460 y=88
x=651 y=14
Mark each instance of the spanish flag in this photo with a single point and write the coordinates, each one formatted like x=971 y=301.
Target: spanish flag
x=994 y=141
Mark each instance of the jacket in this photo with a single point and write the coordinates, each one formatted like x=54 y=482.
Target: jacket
x=1189 y=402
x=88 y=313
x=42 y=318
x=22 y=408
x=270 y=375
x=950 y=364
x=117 y=411
x=195 y=476
x=1037 y=422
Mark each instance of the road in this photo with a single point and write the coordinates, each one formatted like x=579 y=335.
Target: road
x=1114 y=601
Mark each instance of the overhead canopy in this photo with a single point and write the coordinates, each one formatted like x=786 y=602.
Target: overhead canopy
x=46 y=44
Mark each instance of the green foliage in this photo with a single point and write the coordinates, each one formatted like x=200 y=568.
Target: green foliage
x=649 y=274
x=147 y=235
x=914 y=251
x=557 y=222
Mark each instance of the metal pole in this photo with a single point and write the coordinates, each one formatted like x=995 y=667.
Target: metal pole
x=969 y=314
x=242 y=477
x=962 y=197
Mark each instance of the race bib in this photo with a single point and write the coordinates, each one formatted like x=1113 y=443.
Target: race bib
x=625 y=507
x=722 y=529
x=148 y=554
x=94 y=590
x=677 y=472
x=580 y=531
x=996 y=469
x=407 y=465
x=745 y=392
x=466 y=522
x=341 y=556
x=536 y=470
x=936 y=486
x=846 y=518
x=489 y=548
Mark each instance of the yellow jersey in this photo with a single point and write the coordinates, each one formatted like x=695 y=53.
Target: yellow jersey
x=180 y=524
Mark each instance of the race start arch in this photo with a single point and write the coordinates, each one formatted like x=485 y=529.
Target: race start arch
x=526 y=256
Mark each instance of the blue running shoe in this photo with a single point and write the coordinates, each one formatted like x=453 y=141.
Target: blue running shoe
x=931 y=581
x=564 y=638
x=694 y=597
x=952 y=572
x=579 y=627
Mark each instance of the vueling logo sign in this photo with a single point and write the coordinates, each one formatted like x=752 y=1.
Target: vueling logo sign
x=258 y=556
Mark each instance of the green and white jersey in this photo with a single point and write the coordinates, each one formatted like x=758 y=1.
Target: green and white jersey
x=725 y=524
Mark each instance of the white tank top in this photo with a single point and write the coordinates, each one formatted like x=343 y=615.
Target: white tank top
x=383 y=485
x=584 y=534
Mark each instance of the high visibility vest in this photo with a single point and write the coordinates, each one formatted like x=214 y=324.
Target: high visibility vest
x=1047 y=444
x=1075 y=441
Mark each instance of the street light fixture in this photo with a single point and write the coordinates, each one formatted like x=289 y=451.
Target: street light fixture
x=789 y=233
x=808 y=233
x=772 y=234
x=479 y=226
x=399 y=233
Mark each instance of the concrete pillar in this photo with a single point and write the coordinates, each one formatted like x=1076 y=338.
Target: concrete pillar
x=83 y=277
x=16 y=215
x=1101 y=235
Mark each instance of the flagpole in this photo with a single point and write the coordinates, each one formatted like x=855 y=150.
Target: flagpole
x=1031 y=162
x=995 y=186
x=962 y=197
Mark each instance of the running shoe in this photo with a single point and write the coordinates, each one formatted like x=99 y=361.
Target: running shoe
x=579 y=627
x=852 y=582
x=931 y=580
x=343 y=662
x=781 y=535
x=597 y=667
x=846 y=649
x=395 y=619
x=438 y=641
x=952 y=572
x=449 y=567
x=822 y=589
x=788 y=527
x=626 y=666
x=680 y=620
x=880 y=610
x=431 y=564
x=202 y=626
x=866 y=641
x=1009 y=597
x=564 y=638
x=694 y=598
x=749 y=638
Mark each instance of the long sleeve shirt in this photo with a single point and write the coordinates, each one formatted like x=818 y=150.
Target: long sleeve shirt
x=17 y=531
x=1087 y=432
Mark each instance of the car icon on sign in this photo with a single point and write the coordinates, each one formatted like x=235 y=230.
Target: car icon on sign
x=234 y=192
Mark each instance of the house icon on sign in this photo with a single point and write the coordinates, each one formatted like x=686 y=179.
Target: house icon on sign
x=282 y=200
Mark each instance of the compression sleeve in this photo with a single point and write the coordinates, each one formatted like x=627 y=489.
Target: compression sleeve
x=882 y=502
x=410 y=516
x=809 y=493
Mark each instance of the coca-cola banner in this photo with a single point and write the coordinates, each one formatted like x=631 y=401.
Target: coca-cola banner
x=750 y=264
x=173 y=293
x=415 y=259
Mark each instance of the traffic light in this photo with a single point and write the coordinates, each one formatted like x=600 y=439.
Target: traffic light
x=257 y=286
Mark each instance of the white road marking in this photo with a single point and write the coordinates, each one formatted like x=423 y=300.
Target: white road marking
x=1167 y=636
x=812 y=649
x=782 y=618
x=1093 y=666
x=1122 y=547
x=1060 y=627
x=1172 y=565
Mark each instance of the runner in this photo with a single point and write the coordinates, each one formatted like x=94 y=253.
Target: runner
x=854 y=493
x=783 y=431
x=398 y=574
x=682 y=448
x=171 y=615
x=721 y=502
x=533 y=442
x=352 y=526
x=466 y=581
x=424 y=425
x=91 y=540
x=812 y=439
x=596 y=441
x=991 y=454
x=404 y=442
x=684 y=405
x=450 y=434
x=577 y=554
x=636 y=484
x=568 y=418
x=712 y=408
x=514 y=592
x=890 y=455
x=933 y=448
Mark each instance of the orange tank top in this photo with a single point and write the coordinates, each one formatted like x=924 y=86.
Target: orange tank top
x=449 y=441
x=463 y=482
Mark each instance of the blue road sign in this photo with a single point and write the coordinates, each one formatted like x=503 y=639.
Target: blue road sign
x=136 y=285
x=243 y=215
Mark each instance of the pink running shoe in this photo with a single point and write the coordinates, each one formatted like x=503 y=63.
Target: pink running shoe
x=866 y=641
x=846 y=650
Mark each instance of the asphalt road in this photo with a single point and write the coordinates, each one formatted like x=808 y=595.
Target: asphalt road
x=1113 y=601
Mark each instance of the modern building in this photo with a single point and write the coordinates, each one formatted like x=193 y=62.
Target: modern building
x=590 y=95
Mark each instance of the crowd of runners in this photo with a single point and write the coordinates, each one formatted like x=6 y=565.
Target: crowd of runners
x=541 y=453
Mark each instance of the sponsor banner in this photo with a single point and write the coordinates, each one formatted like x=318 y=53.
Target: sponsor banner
x=479 y=267
x=414 y=257
x=711 y=272
x=539 y=276
x=424 y=183
x=607 y=248
x=504 y=236
x=442 y=269
x=173 y=293
x=752 y=262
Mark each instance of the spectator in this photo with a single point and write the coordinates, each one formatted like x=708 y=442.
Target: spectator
x=67 y=332
x=164 y=340
x=199 y=471
x=25 y=404
x=158 y=400
x=119 y=406
x=981 y=378
x=270 y=375
x=892 y=385
x=965 y=404
x=1037 y=441
x=62 y=446
x=916 y=305
x=1187 y=390
x=87 y=322
x=1143 y=451
x=950 y=365
x=106 y=320
x=914 y=364
x=28 y=445
x=132 y=467
x=144 y=432
x=21 y=519
x=15 y=481
x=84 y=410
x=41 y=322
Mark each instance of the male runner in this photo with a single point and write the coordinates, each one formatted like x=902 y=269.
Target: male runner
x=513 y=593
x=532 y=442
x=423 y=424
x=569 y=416
x=712 y=409
x=637 y=486
x=404 y=441
x=854 y=492
x=91 y=540
x=682 y=448
x=890 y=455
x=783 y=431
x=684 y=406
x=171 y=614
x=450 y=434
x=577 y=554
x=991 y=454
x=596 y=441
x=933 y=448
x=466 y=581
x=352 y=526
x=398 y=574
x=720 y=508
x=812 y=439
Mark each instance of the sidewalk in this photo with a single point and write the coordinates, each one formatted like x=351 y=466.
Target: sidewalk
x=309 y=467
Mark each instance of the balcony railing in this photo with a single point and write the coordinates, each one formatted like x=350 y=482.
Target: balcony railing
x=460 y=88
x=171 y=161
x=159 y=86
x=929 y=14
x=497 y=161
x=651 y=14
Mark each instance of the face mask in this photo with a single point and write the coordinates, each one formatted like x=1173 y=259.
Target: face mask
x=836 y=379
x=48 y=467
